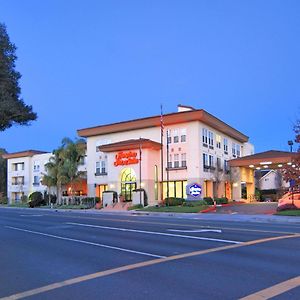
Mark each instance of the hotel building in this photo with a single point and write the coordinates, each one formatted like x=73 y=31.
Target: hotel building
x=195 y=149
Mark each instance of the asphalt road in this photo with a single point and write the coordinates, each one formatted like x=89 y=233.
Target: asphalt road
x=60 y=255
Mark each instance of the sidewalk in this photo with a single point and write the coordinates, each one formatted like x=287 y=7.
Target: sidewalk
x=196 y=216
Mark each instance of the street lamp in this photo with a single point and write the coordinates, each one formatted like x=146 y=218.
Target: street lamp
x=290 y=143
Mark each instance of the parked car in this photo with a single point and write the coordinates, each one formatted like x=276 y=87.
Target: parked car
x=289 y=200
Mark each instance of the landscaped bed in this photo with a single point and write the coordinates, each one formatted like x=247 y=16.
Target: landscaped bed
x=175 y=209
x=292 y=212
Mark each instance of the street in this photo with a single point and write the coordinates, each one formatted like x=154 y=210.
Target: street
x=64 y=255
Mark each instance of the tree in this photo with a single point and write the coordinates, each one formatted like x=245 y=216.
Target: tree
x=3 y=173
x=62 y=167
x=292 y=172
x=13 y=110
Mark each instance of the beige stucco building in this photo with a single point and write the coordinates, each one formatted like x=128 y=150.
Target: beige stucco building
x=195 y=148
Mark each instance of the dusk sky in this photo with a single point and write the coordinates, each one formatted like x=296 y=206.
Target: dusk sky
x=86 y=63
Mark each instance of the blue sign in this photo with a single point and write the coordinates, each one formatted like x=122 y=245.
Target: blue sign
x=195 y=190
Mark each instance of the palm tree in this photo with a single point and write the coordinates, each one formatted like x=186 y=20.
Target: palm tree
x=62 y=167
x=73 y=153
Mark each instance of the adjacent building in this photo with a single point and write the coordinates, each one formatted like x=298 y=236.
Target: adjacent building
x=165 y=155
x=24 y=173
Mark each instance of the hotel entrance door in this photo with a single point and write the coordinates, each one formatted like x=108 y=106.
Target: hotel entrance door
x=127 y=190
x=128 y=183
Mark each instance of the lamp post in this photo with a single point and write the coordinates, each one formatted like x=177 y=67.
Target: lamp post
x=290 y=143
x=140 y=150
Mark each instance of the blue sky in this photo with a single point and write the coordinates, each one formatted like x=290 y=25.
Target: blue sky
x=86 y=63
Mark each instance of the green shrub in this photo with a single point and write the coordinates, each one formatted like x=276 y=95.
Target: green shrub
x=174 y=201
x=24 y=199
x=194 y=203
x=3 y=200
x=36 y=199
x=208 y=200
x=222 y=200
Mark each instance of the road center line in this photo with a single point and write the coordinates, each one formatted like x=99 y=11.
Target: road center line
x=275 y=290
x=156 y=233
x=86 y=242
x=152 y=262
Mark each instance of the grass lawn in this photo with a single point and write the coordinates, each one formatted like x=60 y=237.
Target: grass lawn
x=292 y=212
x=175 y=209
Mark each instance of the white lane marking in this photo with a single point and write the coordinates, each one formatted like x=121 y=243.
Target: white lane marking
x=196 y=230
x=28 y=215
x=156 y=233
x=86 y=242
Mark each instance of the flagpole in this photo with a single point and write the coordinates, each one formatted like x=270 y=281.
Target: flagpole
x=168 y=189
x=162 y=153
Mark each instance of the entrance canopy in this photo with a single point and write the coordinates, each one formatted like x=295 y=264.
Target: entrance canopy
x=265 y=160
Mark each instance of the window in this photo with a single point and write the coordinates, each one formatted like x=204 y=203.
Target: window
x=169 y=137
x=176 y=160
x=18 y=167
x=36 y=166
x=238 y=150
x=183 y=160
x=170 y=161
x=233 y=149
x=211 y=162
x=211 y=139
x=98 y=164
x=175 y=189
x=103 y=166
x=218 y=141
x=226 y=166
x=176 y=137
x=225 y=146
x=205 y=162
x=204 y=136
x=36 y=180
x=183 y=135
x=100 y=167
x=219 y=164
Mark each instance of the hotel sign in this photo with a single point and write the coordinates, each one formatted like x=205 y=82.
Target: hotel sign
x=195 y=190
x=126 y=158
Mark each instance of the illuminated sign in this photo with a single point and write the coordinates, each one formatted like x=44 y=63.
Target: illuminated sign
x=195 y=190
x=126 y=158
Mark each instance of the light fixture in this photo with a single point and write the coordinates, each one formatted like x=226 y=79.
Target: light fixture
x=289 y=163
x=111 y=186
x=266 y=167
x=280 y=165
x=258 y=168
x=294 y=166
x=235 y=184
x=251 y=166
x=265 y=163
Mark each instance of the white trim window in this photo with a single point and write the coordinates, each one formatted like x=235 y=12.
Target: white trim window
x=170 y=164
x=211 y=139
x=211 y=161
x=169 y=136
x=205 y=162
x=175 y=136
x=183 y=135
x=225 y=145
x=204 y=136
x=36 y=166
x=176 y=160
x=100 y=167
x=183 y=160
x=218 y=141
x=238 y=150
